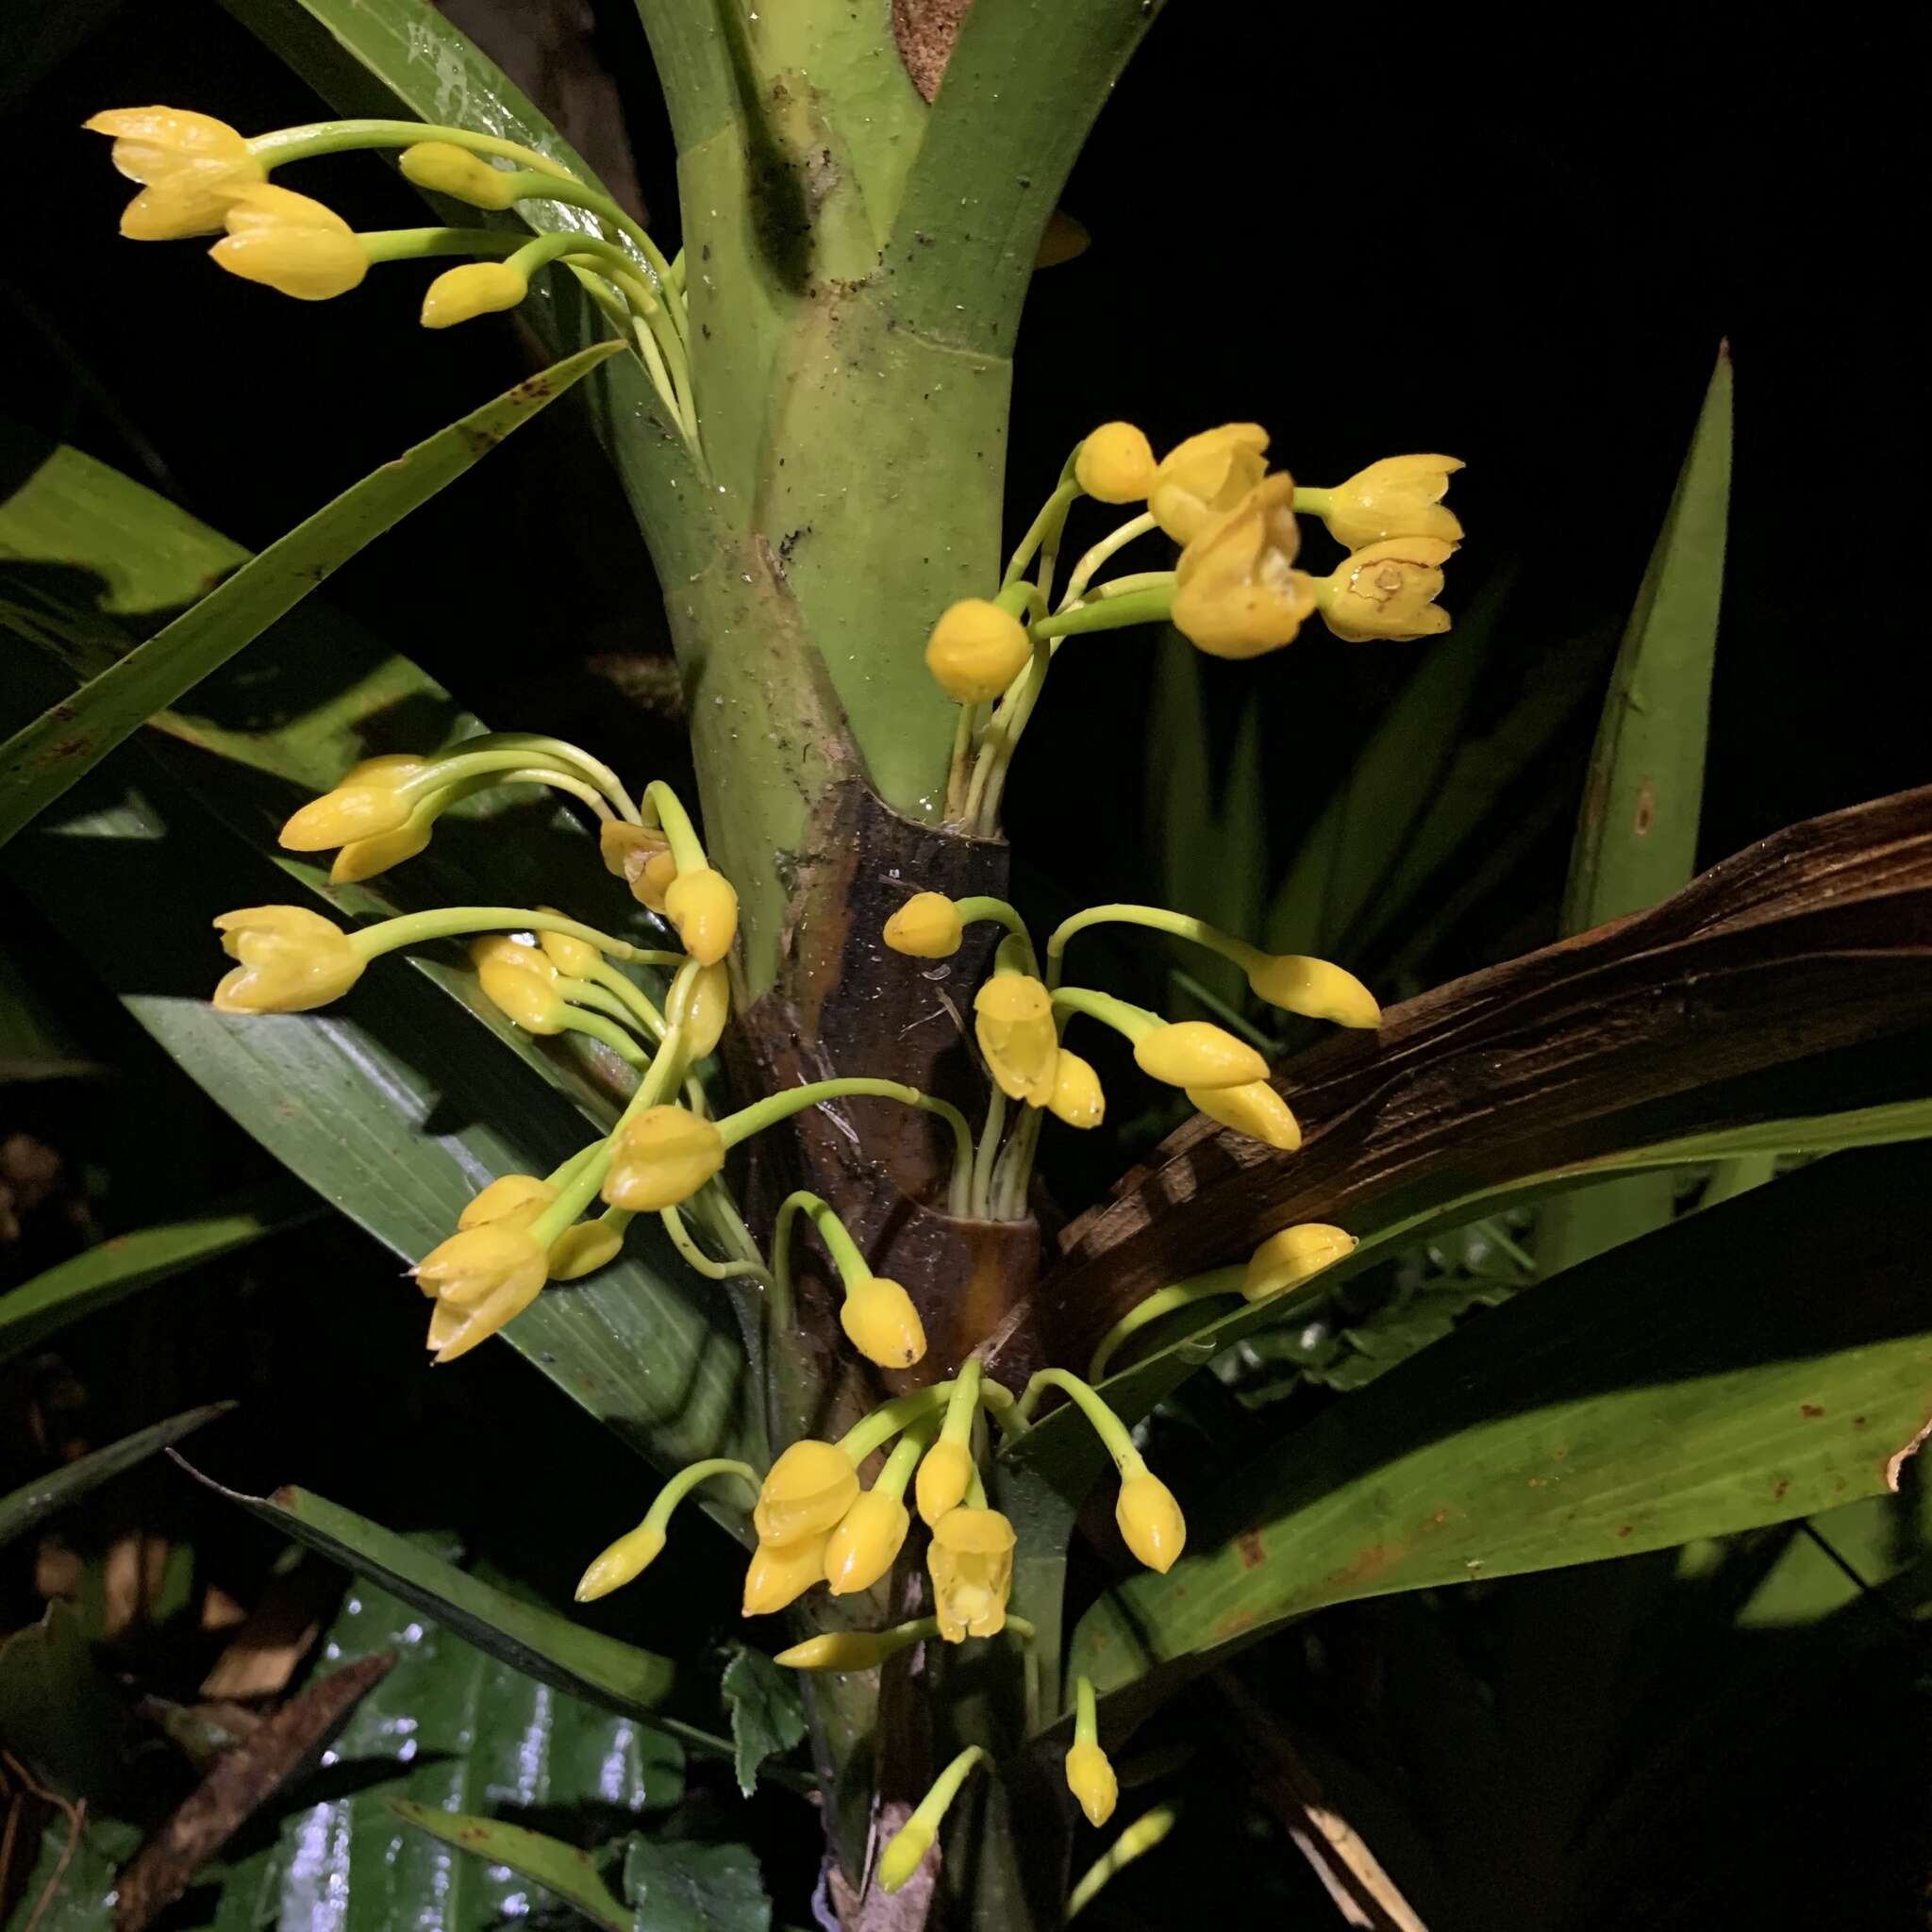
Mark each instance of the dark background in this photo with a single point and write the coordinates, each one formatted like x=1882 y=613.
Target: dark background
x=1517 y=239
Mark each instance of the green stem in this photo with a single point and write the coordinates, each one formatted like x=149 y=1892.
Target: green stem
x=1311 y=502
x=1086 y=1712
x=905 y=1459
x=988 y=1143
x=962 y=1405
x=1053 y=513
x=1138 y=1840
x=1141 y=606
x=452 y=922
x=1163 y=1301
x=416 y=244
x=336 y=136
x=630 y=995
x=555 y=750
x=594 y=1026
x=844 y=1250
x=657 y=1516
x=1091 y=559
x=1125 y=1018
x=665 y=808
x=931 y=1810
x=870 y=1432
x=695 y=1258
x=1181 y=924
x=1106 y=1425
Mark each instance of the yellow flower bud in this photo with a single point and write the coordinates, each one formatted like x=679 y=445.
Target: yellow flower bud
x=664 y=1156
x=515 y=1198
x=1236 y=593
x=1199 y=479
x=481 y=1278
x=1078 y=1097
x=1315 y=988
x=945 y=1474
x=576 y=957
x=445 y=168
x=1012 y=1021
x=192 y=166
x=805 y=1493
x=780 y=1573
x=884 y=1327
x=292 y=960
x=1090 y=1778
x=970 y=1560
x=703 y=906
x=1115 y=464
x=927 y=927
x=1196 y=1053
x=1255 y=1110
x=521 y=983
x=867 y=1541
x=1387 y=591
x=904 y=1854
x=625 y=1560
x=291 y=243
x=1151 y=1521
x=478 y=288
x=348 y=813
x=977 y=650
x=704 y=1012
x=1400 y=496
x=1294 y=1255
x=365 y=859
x=641 y=856
x=584 y=1249
x=839 y=1650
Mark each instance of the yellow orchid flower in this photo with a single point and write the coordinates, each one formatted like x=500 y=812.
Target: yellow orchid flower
x=1236 y=593
x=971 y=1561
x=664 y=1156
x=293 y=960
x=1206 y=477
x=1399 y=496
x=1387 y=591
x=190 y=166
x=291 y=243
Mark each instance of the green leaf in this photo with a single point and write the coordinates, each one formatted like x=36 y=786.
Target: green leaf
x=558 y=1868
x=1636 y=835
x=1740 y=1368
x=117 y=1267
x=767 y=1712
x=40 y=762
x=448 y=1730
x=33 y=1501
x=399 y=1104
x=545 y=1646
x=35 y=1043
x=689 y=1888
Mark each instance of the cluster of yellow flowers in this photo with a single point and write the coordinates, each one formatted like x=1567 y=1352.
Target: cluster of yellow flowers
x=200 y=176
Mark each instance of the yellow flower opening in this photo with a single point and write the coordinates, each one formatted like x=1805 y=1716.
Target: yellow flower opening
x=521 y=983
x=192 y=167
x=1387 y=591
x=1316 y=989
x=927 y=927
x=1012 y=1021
x=356 y=808
x=584 y=1249
x=477 y=288
x=1092 y=1780
x=1400 y=496
x=664 y=1156
x=293 y=960
x=1236 y=593
x=703 y=906
x=971 y=1561
x=290 y=244
x=1196 y=1053
x=780 y=1573
x=977 y=650
x=867 y=1541
x=945 y=1474
x=1207 y=476
x=1294 y=1255
x=878 y=1317
x=1151 y=1521
x=445 y=168
x=1254 y=1109
x=516 y=1198
x=1116 y=464
x=805 y=1493
x=481 y=1277
x=1078 y=1097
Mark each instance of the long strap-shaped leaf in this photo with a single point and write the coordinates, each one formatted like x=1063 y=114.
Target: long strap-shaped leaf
x=1740 y=1368
x=28 y=1504
x=67 y=741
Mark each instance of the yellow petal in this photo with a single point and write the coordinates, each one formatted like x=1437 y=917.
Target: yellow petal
x=977 y=650
x=1116 y=464
x=1295 y=1255
x=703 y=906
x=478 y=288
x=1196 y=1053
x=927 y=927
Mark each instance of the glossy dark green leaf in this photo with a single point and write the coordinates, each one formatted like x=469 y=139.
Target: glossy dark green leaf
x=1637 y=834
x=399 y=1104
x=49 y=755
x=550 y=1648
x=767 y=1712
x=33 y=1501
x=676 y=1886
x=1739 y=1368
x=451 y=1730
x=561 y=1869
x=102 y=1274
